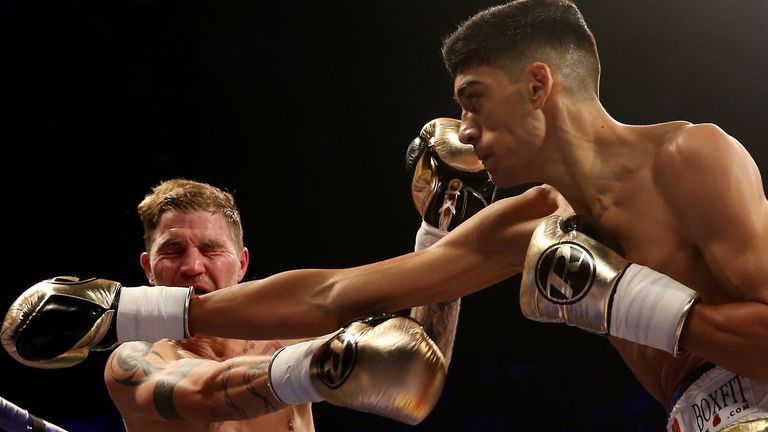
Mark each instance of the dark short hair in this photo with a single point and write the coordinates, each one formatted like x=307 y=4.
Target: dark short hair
x=519 y=31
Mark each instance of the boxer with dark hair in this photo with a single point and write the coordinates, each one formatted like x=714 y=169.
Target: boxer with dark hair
x=687 y=305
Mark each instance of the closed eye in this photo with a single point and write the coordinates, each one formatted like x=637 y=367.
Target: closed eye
x=468 y=96
x=469 y=102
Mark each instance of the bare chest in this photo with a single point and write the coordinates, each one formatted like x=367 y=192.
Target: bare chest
x=650 y=236
x=292 y=419
x=287 y=420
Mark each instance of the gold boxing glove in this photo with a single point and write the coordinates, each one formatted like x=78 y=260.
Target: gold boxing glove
x=386 y=366
x=572 y=276
x=449 y=183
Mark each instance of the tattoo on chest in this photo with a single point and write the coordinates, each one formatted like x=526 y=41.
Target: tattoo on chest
x=263 y=348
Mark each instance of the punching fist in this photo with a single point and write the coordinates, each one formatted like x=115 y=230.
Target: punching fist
x=56 y=322
x=571 y=275
x=449 y=183
x=386 y=366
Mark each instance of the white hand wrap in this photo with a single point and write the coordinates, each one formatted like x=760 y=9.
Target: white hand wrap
x=151 y=313
x=289 y=373
x=650 y=308
x=427 y=235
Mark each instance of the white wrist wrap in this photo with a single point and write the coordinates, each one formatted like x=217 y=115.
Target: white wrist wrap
x=650 y=308
x=151 y=313
x=427 y=235
x=289 y=373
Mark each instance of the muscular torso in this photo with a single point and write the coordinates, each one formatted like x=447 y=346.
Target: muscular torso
x=645 y=226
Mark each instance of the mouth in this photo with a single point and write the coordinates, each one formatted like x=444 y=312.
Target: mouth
x=200 y=290
x=481 y=155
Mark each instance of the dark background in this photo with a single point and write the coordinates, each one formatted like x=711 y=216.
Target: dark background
x=304 y=110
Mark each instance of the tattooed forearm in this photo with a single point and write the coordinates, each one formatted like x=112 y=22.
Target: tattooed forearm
x=259 y=373
x=162 y=394
x=228 y=397
x=440 y=321
x=254 y=376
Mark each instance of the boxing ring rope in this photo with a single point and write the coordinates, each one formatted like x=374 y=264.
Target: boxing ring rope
x=16 y=419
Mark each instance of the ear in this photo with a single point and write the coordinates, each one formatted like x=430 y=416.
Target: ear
x=144 y=259
x=245 y=257
x=540 y=84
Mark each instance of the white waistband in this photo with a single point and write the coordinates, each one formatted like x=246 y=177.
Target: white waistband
x=718 y=399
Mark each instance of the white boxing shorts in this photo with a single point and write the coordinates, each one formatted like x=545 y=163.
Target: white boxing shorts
x=720 y=400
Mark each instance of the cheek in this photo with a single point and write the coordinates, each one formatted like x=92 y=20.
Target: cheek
x=225 y=272
x=164 y=271
x=162 y=275
x=534 y=127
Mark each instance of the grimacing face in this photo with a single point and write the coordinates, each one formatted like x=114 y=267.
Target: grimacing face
x=194 y=249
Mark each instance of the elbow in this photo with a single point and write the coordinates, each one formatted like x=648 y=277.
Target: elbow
x=334 y=309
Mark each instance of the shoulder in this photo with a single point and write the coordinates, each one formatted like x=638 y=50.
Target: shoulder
x=139 y=355
x=705 y=176
x=162 y=347
x=697 y=145
x=697 y=155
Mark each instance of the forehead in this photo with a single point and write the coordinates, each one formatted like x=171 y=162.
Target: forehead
x=479 y=77
x=196 y=223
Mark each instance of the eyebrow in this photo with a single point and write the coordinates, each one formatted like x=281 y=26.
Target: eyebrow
x=213 y=244
x=463 y=89
x=168 y=242
x=210 y=243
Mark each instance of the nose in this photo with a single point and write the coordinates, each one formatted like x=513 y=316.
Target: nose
x=468 y=132
x=192 y=265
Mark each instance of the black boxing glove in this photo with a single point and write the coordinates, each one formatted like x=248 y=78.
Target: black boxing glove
x=57 y=322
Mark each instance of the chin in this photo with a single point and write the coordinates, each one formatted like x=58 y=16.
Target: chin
x=500 y=180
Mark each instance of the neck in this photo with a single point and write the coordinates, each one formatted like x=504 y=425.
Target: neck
x=589 y=154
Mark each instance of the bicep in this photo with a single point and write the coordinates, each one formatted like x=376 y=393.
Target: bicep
x=735 y=250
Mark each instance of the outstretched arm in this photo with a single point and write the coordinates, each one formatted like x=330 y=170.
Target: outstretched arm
x=485 y=250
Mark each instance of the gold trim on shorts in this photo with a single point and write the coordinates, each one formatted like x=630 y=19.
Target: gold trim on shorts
x=758 y=425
